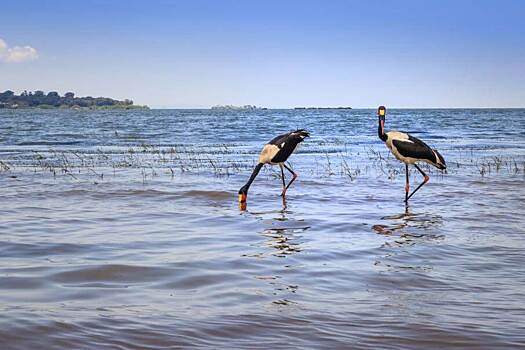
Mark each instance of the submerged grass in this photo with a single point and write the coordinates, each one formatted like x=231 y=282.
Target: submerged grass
x=4 y=166
x=225 y=160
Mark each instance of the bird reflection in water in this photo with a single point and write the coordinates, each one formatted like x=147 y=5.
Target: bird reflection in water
x=408 y=226
x=282 y=239
x=407 y=229
x=284 y=234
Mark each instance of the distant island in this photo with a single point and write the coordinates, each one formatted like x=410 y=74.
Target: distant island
x=39 y=99
x=323 y=108
x=237 y=108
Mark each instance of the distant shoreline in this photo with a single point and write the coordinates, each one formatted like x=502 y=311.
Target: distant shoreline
x=255 y=108
x=237 y=108
x=314 y=108
x=76 y=108
x=52 y=100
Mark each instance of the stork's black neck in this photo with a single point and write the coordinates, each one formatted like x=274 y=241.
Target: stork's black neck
x=244 y=189
x=381 y=129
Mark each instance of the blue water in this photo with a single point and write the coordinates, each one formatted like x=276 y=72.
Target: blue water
x=121 y=229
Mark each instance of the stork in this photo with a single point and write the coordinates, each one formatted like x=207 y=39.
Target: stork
x=409 y=150
x=274 y=152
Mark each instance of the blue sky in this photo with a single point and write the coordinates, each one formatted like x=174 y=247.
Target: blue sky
x=270 y=53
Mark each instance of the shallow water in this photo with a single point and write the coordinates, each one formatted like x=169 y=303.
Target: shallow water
x=121 y=230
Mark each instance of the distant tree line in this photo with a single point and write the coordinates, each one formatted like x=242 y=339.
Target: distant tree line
x=8 y=99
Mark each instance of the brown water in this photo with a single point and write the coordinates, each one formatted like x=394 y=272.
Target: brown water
x=156 y=254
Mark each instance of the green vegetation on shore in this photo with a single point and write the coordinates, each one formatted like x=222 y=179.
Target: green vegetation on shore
x=39 y=99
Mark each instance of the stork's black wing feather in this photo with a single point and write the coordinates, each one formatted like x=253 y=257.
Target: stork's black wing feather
x=278 y=140
x=441 y=159
x=287 y=144
x=415 y=149
x=289 y=136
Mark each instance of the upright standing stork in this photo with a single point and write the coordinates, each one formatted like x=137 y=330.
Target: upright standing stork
x=409 y=150
x=274 y=152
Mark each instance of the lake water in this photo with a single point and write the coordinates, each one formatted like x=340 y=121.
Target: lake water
x=121 y=229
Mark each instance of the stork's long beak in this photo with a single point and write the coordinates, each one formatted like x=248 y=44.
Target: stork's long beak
x=242 y=201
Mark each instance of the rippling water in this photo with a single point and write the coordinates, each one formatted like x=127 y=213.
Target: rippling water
x=121 y=230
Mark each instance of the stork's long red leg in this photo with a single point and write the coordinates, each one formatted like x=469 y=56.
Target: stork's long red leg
x=282 y=177
x=407 y=184
x=425 y=180
x=294 y=176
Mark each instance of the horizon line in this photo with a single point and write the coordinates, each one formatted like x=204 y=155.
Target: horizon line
x=321 y=107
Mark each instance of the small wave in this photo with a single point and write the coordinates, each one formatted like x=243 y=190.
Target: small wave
x=48 y=143
x=17 y=282
x=148 y=193
x=112 y=273
x=14 y=249
x=215 y=195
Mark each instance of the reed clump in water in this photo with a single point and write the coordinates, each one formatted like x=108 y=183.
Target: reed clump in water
x=497 y=164
x=4 y=166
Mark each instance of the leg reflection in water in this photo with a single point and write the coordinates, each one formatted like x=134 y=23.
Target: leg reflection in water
x=407 y=234
x=410 y=225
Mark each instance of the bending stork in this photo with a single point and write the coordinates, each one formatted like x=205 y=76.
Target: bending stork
x=409 y=150
x=274 y=152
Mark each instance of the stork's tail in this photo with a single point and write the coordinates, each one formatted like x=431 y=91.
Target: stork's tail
x=440 y=161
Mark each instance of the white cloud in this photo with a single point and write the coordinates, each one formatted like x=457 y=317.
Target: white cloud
x=16 y=54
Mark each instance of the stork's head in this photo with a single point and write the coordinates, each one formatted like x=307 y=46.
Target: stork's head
x=381 y=113
x=243 y=197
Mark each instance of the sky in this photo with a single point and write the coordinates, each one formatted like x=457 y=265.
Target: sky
x=269 y=53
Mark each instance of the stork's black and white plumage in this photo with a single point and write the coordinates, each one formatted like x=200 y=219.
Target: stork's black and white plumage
x=409 y=150
x=274 y=152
